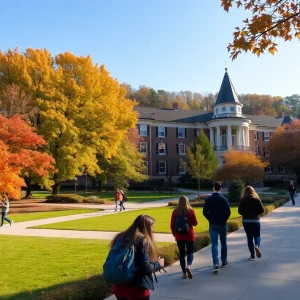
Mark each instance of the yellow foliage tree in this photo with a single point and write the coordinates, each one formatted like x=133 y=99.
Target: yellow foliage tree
x=271 y=19
x=241 y=165
x=81 y=111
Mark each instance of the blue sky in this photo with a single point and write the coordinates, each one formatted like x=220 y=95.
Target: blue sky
x=165 y=44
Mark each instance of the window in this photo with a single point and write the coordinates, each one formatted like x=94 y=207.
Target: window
x=181 y=132
x=146 y=171
x=267 y=152
x=266 y=136
x=223 y=108
x=217 y=110
x=161 y=148
x=281 y=169
x=181 y=149
x=143 y=130
x=162 y=167
x=264 y=151
x=256 y=136
x=144 y=147
x=268 y=169
x=256 y=150
x=161 y=131
x=224 y=137
x=181 y=169
x=234 y=137
x=232 y=108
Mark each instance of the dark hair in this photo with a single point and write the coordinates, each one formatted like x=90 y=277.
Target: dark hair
x=217 y=186
x=141 y=228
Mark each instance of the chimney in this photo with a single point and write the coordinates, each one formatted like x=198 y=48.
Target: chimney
x=175 y=106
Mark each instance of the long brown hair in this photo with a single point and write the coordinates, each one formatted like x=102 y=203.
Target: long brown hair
x=183 y=206
x=140 y=228
x=250 y=191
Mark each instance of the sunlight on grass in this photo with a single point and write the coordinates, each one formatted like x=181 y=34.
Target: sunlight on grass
x=120 y=221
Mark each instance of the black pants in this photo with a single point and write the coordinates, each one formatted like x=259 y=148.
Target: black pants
x=185 y=248
x=145 y=298
x=292 y=194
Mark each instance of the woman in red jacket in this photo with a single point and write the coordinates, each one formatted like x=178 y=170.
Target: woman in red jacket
x=182 y=222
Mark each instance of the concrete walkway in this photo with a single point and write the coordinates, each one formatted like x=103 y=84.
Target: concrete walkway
x=275 y=276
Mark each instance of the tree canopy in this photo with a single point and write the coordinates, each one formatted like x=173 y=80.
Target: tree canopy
x=241 y=165
x=284 y=146
x=271 y=19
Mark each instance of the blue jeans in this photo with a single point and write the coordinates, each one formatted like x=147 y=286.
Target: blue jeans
x=292 y=194
x=252 y=230
x=4 y=218
x=185 y=247
x=216 y=231
x=122 y=205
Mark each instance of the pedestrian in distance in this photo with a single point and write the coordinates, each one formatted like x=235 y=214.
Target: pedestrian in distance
x=146 y=261
x=119 y=199
x=122 y=199
x=216 y=210
x=250 y=207
x=182 y=225
x=292 y=190
x=5 y=209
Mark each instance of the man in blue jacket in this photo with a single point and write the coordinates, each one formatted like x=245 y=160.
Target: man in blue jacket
x=217 y=211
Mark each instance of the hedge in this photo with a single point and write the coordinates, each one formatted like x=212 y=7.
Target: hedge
x=65 y=198
x=96 y=288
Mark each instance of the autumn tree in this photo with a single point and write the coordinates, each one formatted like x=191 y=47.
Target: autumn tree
x=271 y=19
x=127 y=164
x=82 y=111
x=201 y=159
x=241 y=165
x=19 y=146
x=284 y=146
x=293 y=102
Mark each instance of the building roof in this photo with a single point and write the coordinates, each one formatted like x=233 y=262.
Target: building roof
x=171 y=115
x=195 y=116
x=227 y=92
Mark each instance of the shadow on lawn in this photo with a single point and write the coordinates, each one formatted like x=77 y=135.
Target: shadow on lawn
x=93 y=288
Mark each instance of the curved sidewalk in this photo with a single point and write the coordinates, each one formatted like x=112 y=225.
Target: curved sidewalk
x=275 y=276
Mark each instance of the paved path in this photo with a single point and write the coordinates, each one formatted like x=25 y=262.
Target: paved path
x=275 y=276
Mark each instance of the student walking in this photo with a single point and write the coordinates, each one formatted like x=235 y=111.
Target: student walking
x=251 y=208
x=182 y=222
x=216 y=210
x=122 y=200
x=5 y=209
x=292 y=190
x=119 y=199
x=139 y=235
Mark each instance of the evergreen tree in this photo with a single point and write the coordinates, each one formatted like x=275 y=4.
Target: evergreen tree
x=201 y=159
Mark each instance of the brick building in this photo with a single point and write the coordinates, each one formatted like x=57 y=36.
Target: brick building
x=167 y=132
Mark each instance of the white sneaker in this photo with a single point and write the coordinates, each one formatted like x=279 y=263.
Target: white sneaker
x=252 y=258
x=11 y=222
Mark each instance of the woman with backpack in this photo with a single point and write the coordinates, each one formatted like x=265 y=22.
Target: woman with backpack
x=182 y=222
x=146 y=261
x=251 y=208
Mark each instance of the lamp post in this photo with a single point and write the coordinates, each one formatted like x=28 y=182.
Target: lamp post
x=75 y=179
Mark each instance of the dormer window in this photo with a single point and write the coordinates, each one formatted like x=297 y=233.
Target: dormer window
x=232 y=109
x=223 y=108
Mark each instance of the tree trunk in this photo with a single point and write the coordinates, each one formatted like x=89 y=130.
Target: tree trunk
x=28 y=188
x=198 y=181
x=55 y=188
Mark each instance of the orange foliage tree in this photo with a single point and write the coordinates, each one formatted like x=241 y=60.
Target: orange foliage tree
x=271 y=19
x=284 y=146
x=241 y=165
x=19 y=152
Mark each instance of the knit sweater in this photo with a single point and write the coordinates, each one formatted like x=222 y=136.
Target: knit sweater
x=250 y=208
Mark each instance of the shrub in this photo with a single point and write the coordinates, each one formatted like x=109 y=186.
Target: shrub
x=202 y=240
x=235 y=191
x=65 y=198
x=234 y=224
x=282 y=193
x=93 y=199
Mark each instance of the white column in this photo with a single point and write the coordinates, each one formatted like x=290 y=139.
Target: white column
x=240 y=136
x=218 y=136
x=211 y=131
x=229 y=139
x=247 y=137
x=243 y=137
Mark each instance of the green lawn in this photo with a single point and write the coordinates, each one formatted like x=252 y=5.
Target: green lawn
x=110 y=196
x=120 y=221
x=33 y=264
x=22 y=217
